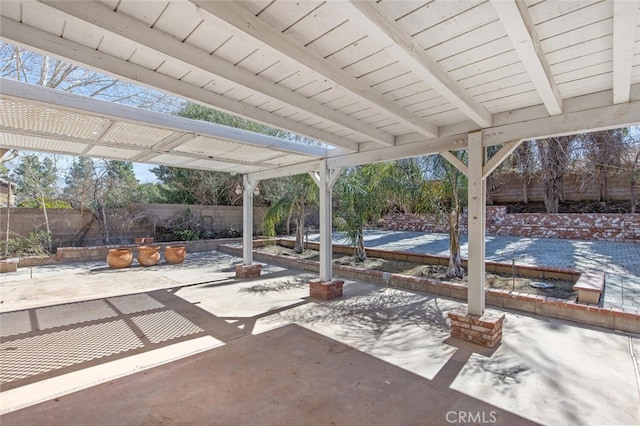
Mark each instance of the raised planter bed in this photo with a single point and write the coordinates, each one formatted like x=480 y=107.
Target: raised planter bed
x=8 y=265
x=612 y=318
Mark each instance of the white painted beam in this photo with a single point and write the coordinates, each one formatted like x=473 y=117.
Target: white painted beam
x=477 y=231
x=598 y=114
x=625 y=21
x=316 y=178
x=515 y=18
x=295 y=169
x=590 y=120
x=499 y=157
x=48 y=44
x=333 y=178
x=267 y=37
x=191 y=56
x=455 y=162
x=397 y=152
x=375 y=17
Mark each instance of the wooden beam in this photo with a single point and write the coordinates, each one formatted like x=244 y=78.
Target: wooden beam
x=49 y=44
x=266 y=36
x=519 y=26
x=295 y=169
x=376 y=19
x=590 y=120
x=499 y=157
x=316 y=177
x=397 y=152
x=190 y=56
x=455 y=162
x=625 y=20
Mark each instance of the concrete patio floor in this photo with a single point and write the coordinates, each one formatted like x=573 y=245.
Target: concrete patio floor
x=190 y=344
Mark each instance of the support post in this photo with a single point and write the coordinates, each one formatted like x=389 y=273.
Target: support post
x=477 y=209
x=326 y=287
x=472 y=323
x=326 y=270
x=248 y=268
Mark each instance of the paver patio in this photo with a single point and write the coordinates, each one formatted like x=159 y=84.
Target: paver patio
x=229 y=351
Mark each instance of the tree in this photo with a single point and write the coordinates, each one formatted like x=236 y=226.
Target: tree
x=202 y=113
x=447 y=196
x=554 y=158
x=99 y=185
x=523 y=161
x=362 y=197
x=631 y=163
x=34 y=68
x=204 y=186
x=604 y=150
x=187 y=186
x=301 y=194
x=404 y=185
x=37 y=182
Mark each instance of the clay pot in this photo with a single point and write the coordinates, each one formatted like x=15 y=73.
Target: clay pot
x=148 y=255
x=143 y=240
x=119 y=258
x=175 y=254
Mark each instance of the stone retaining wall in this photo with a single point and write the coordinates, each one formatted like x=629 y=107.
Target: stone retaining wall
x=579 y=226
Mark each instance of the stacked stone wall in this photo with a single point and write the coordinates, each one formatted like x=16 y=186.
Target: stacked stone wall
x=579 y=226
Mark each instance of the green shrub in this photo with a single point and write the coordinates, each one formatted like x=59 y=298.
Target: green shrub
x=34 y=244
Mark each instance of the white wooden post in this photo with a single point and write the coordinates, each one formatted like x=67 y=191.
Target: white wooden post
x=326 y=255
x=247 y=219
x=325 y=181
x=477 y=209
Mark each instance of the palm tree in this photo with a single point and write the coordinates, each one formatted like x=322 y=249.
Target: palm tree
x=362 y=195
x=447 y=196
x=298 y=194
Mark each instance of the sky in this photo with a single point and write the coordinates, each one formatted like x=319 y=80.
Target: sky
x=143 y=173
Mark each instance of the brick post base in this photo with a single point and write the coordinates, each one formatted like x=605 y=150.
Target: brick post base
x=248 y=271
x=325 y=290
x=484 y=330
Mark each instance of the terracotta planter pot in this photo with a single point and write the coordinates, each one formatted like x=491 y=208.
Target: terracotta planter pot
x=148 y=255
x=143 y=240
x=119 y=258
x=175 y=254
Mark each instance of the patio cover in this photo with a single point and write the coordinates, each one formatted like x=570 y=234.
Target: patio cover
x=376 y=80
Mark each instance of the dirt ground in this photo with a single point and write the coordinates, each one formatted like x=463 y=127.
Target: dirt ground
x=561 y=289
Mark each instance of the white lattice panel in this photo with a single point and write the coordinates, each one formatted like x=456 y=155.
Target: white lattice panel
x=41 y=144
x=34 y=355
x=166 y=325
x=133 y=134
x=20 y=115
x=111 y=152
x=73 y=313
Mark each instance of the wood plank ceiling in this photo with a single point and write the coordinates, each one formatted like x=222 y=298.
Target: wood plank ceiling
x=359 y=76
